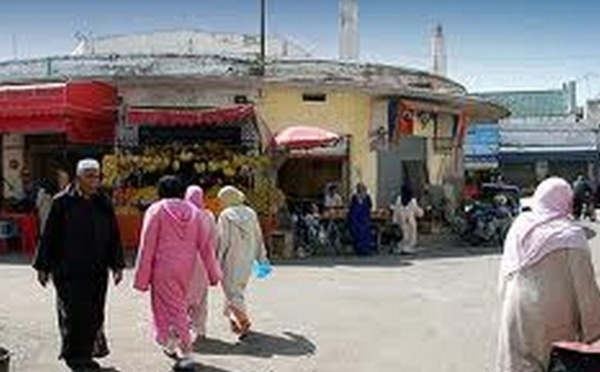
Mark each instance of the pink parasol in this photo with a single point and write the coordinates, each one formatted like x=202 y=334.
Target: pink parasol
x=302 y=137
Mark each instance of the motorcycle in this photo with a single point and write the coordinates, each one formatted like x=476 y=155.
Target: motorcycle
x=487 y=221
x=485 y=224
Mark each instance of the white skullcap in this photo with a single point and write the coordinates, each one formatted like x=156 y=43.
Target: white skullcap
x=86 y=165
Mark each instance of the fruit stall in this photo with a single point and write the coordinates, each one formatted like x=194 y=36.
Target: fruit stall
x=209 y=155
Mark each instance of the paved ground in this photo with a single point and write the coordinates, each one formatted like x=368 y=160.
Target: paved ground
x=436 y=312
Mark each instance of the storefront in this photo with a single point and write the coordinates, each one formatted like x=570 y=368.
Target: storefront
x=423 y=145
x=321 y=157
x=46 y=128
x=528 y=167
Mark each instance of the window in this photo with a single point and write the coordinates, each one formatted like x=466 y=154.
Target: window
x=314 y=97
x=240 y=99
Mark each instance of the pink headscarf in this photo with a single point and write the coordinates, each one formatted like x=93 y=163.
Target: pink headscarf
x=195 y=195
x=547 y=228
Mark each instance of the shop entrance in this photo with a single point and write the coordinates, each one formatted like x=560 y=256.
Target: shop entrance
x=45 y=154
x=305 y=179
x=405 y=162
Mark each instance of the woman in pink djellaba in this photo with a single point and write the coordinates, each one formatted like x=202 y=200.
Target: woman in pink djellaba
x=198 y=293
x=174 y=235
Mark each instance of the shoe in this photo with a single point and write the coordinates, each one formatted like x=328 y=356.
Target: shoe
x=245 y=337
x=83 y=365
x=170 y=349
x=170 y=354
x=92 y=365
x=184 y=364
x=75 y=365
x=234 y=327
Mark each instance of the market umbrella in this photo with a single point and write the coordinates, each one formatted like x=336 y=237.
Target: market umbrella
x=303 y=137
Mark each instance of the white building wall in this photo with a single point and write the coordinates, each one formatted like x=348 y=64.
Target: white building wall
x=188 y=43
x=182 y=95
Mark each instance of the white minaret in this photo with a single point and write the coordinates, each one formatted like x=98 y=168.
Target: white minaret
x=438 y=51
x=349 y=30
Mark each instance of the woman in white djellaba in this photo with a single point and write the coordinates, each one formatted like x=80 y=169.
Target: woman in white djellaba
x=240 y=244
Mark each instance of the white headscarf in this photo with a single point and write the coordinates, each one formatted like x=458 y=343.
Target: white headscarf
x=231 y=196
x=547 y=228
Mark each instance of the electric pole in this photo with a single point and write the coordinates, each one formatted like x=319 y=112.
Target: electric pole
x=263 y=36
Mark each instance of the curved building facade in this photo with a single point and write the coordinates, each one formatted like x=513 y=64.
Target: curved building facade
x=397 y=123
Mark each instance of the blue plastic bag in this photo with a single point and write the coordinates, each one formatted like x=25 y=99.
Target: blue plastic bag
x=262 y=270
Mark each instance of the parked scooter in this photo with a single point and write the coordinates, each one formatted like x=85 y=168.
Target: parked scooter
x=485 y=224
x=486 y=221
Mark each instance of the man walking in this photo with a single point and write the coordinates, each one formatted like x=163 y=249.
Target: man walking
x=79 y=246
x=583 y=194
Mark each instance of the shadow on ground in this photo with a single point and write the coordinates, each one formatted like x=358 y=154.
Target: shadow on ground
x=259 y=345
x=450 y=249
x=197 y=367
x=432 y=246
x=457 y=252
x=350 y=261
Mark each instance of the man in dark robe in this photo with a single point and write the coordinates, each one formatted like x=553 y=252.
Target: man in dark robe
x=79 y=246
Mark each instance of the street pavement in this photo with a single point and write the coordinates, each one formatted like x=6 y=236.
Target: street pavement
x=435 y=312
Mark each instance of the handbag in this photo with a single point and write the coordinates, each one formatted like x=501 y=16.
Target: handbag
x=574 y=357
x=262 y=270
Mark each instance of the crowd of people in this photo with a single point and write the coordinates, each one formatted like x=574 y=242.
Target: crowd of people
x=183 y=250
x=547 y=280
x=356 y=219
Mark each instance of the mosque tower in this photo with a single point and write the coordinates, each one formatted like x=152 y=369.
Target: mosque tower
x=349 y=48
x=438 y=51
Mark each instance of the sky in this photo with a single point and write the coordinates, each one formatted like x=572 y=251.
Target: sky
x=491 y=45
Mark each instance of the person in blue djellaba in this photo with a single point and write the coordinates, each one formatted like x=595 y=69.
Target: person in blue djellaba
x=359 y=221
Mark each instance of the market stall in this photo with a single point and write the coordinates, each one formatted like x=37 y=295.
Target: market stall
x=322 y=157
x=209 y=148
x=45 y=128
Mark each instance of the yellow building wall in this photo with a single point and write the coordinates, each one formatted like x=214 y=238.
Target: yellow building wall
x=343 y=112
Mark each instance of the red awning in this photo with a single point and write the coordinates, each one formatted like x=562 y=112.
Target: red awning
x=300 y=137
x=85 y=111
x=182 y=117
